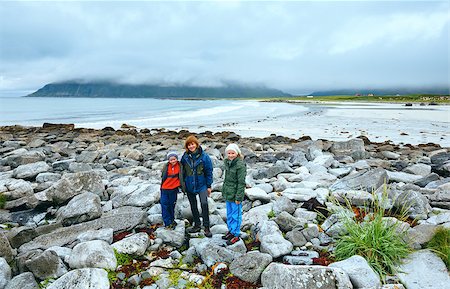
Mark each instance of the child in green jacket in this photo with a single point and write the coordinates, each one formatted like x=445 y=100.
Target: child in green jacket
x=233 y=191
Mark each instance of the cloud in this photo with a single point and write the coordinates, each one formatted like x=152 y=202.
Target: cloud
x=287 y=45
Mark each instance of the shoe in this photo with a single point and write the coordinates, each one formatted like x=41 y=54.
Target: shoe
x=228 y=236
x=193 y=229
x=173 y=225
x=208 y=233
x=233 y=240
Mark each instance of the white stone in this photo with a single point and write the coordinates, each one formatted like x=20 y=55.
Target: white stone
x=87 y=278
x=133 y=245
x=93 y=254
x=360 y=273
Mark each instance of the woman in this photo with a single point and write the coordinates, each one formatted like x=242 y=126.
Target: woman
x=198 y=178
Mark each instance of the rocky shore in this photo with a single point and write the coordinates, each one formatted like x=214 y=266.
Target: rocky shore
x=81 y=210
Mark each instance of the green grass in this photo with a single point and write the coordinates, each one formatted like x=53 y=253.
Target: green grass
x=440 y=244
x=2 y=201
x=414 y=98
x=379 y=241
x=123 y=259
x=271 y=214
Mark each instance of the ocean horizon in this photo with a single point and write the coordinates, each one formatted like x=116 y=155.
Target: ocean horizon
x=378 y=121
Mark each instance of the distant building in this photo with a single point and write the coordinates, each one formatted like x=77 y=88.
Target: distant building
x=370 y=94
x=310 y=96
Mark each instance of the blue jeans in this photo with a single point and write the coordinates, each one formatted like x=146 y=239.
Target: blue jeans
x=168 y=200
x=234 y=218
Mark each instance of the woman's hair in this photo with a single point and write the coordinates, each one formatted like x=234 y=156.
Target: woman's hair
x=191 y=139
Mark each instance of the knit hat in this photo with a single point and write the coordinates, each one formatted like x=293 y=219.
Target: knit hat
x=234 y=147
x=172 y=154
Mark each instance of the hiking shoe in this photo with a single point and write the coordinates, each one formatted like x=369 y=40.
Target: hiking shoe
x=193 y=229
x=232 y=241
x=173 y=225
x=228 y=236
x=208 y=233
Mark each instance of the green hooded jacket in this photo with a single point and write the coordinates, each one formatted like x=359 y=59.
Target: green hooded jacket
x=234 y=183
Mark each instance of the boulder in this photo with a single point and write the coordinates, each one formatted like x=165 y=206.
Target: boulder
x=47 y=177
x=296 y=237
x=250 y=266
x=283 y=204
x=278 y=168
x=301 y=257
x=418 y=169
x=46 y=265
x=74 y=184
x=423 y=269
x=211 y=253
x=257 y=194
x=23 y=281
x=414 y=202
x=402 y=177
x=272 y=240
x=93 y=254
x=360 y=273
x=122 y=219
x=133 y=245
x=345 y=148
x=102 y=234
x=29 y=171
x=5 y=273
x=81 y=208
x=367 y=181
x=15 y=189
x=6 y=251
x=281 y=276
x=141 y=195
x=422 y=182
x=286 y=222
x=172 y=237
x=256 y=215
x=87 y=278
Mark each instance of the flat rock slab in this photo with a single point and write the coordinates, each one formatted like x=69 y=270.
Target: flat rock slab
x=280 y=276
x=122 y=219
x=424 y=270
x=87 y=278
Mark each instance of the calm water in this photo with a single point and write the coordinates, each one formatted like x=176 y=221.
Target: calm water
x=250 y=118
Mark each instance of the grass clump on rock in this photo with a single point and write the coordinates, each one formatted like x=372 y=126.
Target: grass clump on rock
x=369 y=234
x=440 y=244
x=2 y=200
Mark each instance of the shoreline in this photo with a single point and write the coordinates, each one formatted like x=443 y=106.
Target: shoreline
x=127 y=129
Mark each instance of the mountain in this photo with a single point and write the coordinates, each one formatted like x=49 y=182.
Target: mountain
x=393 y=91
x=115 y=90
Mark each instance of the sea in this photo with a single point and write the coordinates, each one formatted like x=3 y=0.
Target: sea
x=333 y=121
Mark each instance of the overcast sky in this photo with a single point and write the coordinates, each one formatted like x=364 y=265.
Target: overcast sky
x=296 y=46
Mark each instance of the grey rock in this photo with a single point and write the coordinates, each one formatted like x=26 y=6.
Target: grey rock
x=87 y=156
x=87 y=278
x=74 y=184
x=286 y=222
x=296 y=237
x=21 y=235
x=423 y=269
x=301 y=257
x=367 y=181
x=47 y=177
x=311 y=232
x=172 y=237
x=6 y=251
x=324 y=160
x=390 y=155
x=345 y=148
x=122 y=219
x=62 y=252
x=141 y=195
x=133 y=245
x=280 y=276
x=402 y=177
x=257 y=194
x=62 y=165
x=250 y=266
x=211 y=253
x=340 y=172
x=299 y=194
x=46 y=265
x=360 y=273
x=278 y=168
x=422 y=182
x=355 y=197
x=436 y=184
x=75 y=167
x=23 y=281
x=418 y=169
x=283 y=204
x=265 y=187
x=14 y=189
x=5 y=273
x=22 y=157
x=93 y=254
x=272 y=240
x=102 y=234
x=416 y=204
x=29 y=171
x=81 y=208
x=420 y=234
x=256 y=215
